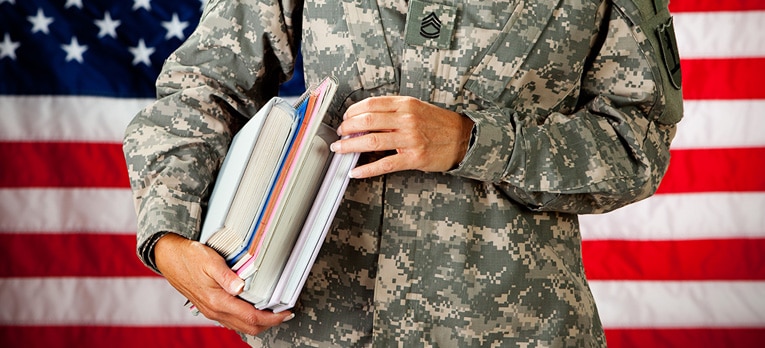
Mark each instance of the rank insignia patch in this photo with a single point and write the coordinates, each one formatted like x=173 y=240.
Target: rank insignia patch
x=430 y=25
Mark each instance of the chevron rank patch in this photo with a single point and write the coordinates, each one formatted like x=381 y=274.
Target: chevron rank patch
x=430 y=25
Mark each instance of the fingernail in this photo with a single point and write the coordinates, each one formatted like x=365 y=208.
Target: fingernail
x=237 y=286
x=338 y=131
x=288 y=318
x=353 y=174
x=334 y=147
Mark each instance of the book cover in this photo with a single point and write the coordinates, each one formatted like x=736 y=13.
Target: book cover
x=278 y=184
x=313 y=233
x=231 y=212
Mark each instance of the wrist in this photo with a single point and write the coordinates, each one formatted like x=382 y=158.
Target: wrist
x=467 y=132
x=165 y=245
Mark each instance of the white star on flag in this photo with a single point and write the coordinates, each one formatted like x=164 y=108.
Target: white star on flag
x=107 y=26
x=40 y=22
x=8 y=47
x=145 y=4
x=75 y=3
x=175 y=28
x=74 y=50
x=141 y=53
x=684 y=268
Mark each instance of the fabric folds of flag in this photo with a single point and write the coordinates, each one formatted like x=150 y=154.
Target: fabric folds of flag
x=683 y=268
x=686 y=268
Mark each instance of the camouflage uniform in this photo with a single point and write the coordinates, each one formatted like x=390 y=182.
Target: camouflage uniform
x=574 y=104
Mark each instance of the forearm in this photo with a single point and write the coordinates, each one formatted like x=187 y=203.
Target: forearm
x=221 y=75
x=171 y=174
x=605 y=151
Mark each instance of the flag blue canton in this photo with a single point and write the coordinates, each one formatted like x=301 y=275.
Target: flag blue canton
x=89 y=47
x=94 y=47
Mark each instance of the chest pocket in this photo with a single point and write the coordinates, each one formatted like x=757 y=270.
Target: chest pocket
x=529 y=66
x=373 y=60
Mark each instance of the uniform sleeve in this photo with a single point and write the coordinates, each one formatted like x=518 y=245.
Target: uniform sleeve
x=226 y=70
x=612 y=149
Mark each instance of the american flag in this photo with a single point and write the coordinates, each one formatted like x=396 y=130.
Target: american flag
x=685 y=268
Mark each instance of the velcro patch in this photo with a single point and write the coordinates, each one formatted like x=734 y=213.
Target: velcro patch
x=669 y=52
x=430 y=25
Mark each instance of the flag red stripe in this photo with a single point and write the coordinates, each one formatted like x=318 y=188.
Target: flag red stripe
x=715 y=5
x=64 y=255
x=118 y=337
x=64 y=165
x=715 y=170
x=60 y=164
x=114 y=256
x=742 y=78
x=724 y=259
x=692 y=337
x=130 y=337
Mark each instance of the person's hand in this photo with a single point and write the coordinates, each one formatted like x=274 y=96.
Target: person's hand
x=203 y=277
x=425 y=137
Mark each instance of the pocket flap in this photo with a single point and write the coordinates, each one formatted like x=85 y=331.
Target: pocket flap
x=503 y=59
x=372 y=53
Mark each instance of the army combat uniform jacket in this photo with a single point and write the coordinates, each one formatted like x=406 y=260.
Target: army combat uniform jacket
x=574 y=103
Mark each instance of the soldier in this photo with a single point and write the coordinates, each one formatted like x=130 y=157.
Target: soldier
x=491 y=126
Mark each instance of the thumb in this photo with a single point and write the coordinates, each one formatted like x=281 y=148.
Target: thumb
x=233 y=284
x=226 y=278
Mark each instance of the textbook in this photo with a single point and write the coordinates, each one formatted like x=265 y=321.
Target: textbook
x=279 y=184
x=314 y=231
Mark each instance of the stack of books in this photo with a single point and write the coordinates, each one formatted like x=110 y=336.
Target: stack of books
x=276 y=195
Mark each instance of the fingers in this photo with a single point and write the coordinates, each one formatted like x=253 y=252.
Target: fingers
x=380 y=141
x=382 y=104
x=374 y=122
x=234 y=312
x=382 y=114
x=202 y=276
x=225 y=277
x=382 y=166
x=408 y=154
x=424 y=136
x=239 y=315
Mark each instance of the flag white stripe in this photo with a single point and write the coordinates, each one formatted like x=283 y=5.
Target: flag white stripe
x=50 y=210
x=662 y=217
x=674 y=304
x=681 y=217
x=140 y=301
x=66 y=118
x=707 y=123
x=720 y=34
x=149 y=301
x=721 y=124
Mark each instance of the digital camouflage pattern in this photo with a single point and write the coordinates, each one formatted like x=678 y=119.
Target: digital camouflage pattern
x=570 y=102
